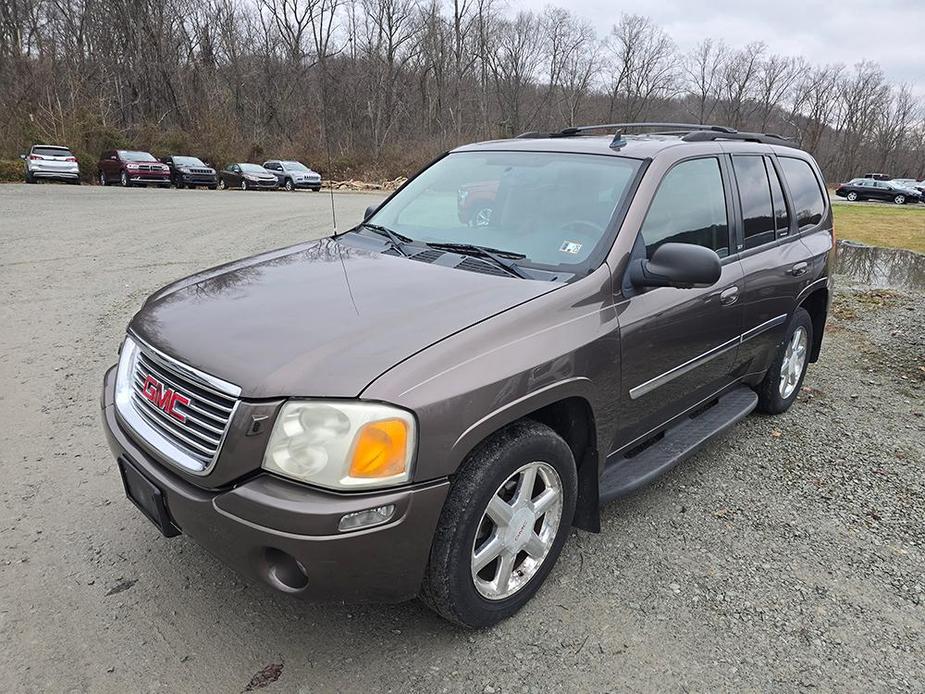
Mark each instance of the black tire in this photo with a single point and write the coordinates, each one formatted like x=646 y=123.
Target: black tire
x=290 y=187
x=29 y=177
x=243 y=184
x=123 y=180
x=770 y=398
x=179 y=185
x=74 y=181
x=221 y=184
x=103 y=181
x=899 y=200
x=448 y=586
x=852 y=196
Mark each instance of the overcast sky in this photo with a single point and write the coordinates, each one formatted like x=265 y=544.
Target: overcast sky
x=890 y=32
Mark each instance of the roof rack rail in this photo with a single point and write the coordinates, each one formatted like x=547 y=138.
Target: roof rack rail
x=581 y=129
x=764 y=138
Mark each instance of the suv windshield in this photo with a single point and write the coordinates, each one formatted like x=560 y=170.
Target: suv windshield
x=252 y=168
x=187 y=161
x=553 y=208
x=135 y=156
x=294 y=166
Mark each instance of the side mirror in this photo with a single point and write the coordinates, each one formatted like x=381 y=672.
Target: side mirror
x=22 y=156
x=370 y=211
x=682 y=265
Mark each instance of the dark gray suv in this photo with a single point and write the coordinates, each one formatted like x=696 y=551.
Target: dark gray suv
x=425 y=407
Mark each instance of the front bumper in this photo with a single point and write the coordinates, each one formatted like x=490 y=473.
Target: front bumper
x=285 y=534
x=312 y=185
x=150 y=178
x=198 y=179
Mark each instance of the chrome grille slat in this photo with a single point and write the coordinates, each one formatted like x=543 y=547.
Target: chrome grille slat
x=184 y=409
x=209 y=440
x=164 y=374
x=206 y=417
x=201 y=451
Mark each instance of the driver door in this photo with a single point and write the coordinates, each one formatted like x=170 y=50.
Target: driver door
x=679 y=346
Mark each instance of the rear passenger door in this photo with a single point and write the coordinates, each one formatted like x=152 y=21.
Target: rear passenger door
x=774 y=259
x=679 y=345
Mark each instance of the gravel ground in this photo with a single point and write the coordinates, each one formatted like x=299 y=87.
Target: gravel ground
x=787 y=556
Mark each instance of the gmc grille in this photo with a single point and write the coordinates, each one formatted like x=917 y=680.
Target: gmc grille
x=197 y=428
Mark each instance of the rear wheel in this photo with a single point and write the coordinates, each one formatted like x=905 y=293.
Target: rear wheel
x=505 y=520
x=852 y=196
x=782 y=382
x=29 y=177
x=899 y=200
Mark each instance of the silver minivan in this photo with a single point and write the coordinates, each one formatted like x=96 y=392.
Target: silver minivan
x=51 y=161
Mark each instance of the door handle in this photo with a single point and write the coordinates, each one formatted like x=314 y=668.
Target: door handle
x=729 y=296
x=799 y=269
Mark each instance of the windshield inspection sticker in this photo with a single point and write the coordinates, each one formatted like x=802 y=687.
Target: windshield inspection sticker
x=571 y=247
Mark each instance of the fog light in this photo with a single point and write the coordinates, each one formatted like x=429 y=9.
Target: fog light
x=364 y=519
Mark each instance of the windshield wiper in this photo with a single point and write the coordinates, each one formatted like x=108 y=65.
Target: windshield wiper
x=396 y=240
x=499 y=257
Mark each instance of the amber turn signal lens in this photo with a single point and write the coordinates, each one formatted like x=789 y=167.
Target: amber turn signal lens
x=380 y=449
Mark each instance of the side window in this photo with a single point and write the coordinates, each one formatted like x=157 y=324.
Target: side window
x=689 y=207
x=808 y=203
x=781 y=216
x=755 y=197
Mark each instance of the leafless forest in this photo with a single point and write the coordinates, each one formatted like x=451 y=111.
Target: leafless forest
x=376 y=88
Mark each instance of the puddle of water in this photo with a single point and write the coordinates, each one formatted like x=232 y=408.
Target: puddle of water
x=881 y=268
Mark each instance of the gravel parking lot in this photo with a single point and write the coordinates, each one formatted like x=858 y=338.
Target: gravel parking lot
x=787 y=556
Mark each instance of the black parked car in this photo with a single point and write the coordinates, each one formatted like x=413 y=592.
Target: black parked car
x=246 y=177
x=869 y=189
x=294 y=174
x=189 y=172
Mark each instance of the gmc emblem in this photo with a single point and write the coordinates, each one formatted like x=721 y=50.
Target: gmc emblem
x=164 y=398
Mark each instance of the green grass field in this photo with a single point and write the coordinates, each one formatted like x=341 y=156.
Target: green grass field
x=881 y=225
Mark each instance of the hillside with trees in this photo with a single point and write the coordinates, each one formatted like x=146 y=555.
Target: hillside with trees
x=376 y=88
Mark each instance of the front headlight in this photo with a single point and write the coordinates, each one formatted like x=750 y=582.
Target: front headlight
x=342 y=444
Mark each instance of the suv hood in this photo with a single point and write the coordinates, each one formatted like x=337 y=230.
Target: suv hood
x=320 y=318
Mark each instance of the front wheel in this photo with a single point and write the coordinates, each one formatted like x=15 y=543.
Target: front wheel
x=221 y=184
x=782 y=382
x=289 y=185
x=123 y=180
x=243 y=184
x=505 y=520
x=899 y=200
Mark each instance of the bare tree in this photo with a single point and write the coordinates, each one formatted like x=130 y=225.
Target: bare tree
x=703 y=70
x=642 y=59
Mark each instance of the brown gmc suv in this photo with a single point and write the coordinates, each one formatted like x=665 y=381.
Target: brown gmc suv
x=423 y=406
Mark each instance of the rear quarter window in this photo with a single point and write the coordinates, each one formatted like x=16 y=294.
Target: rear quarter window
x=808 y=200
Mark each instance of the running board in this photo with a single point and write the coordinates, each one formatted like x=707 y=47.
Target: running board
x=623 y=474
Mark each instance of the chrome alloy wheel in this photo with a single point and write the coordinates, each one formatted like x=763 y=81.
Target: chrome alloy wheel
x=516 y=531
x=794 y=361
